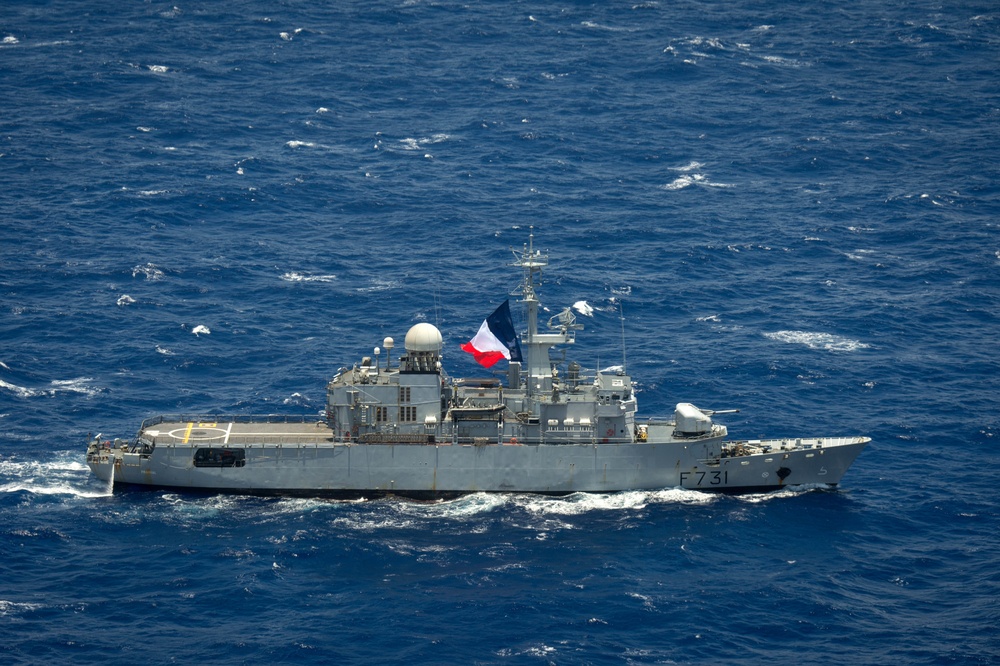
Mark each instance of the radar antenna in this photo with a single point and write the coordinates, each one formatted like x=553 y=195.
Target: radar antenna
x=567 y=321
x=532 y=261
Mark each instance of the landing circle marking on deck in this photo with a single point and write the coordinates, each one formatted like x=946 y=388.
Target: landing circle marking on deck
x=197 y=434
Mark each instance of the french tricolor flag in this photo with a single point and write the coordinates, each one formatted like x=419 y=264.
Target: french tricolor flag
x=496 y=339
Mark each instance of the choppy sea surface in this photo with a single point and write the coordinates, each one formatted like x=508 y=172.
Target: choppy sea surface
x=213 y=206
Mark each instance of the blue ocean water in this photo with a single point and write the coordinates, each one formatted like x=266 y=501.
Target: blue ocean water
x=213 y=206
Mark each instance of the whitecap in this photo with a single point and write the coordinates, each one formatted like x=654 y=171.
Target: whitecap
x=296 y=399
x=693 y=179
x=299 y=277
x=298 y=505
x=379 y=284
x=19 y=391
x=599 y=26
x=60 y=476
x=125 y=299
x=8 y=607
x=159 y=69
x=682 y=182
x=580 y=503
x=10 y=40
x=858 y=255
x=78 y=385
x=370 y=525
x=690 y=166
x=824 y=341
x=778 y=60
x=149 y=270
x=300 y=144
x=713 y=42
x=201 y=328
x=459 y=508
x=164 y=351
x=56 y=489
x=682 y=496
x=417 y=144
x=584 y=308
x=788 y=491
x=203 y=506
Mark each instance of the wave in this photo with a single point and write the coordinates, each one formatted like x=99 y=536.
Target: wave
x=16 y=607
x=65 y=475
x=418 y=144
x=78 y=385
x=693 y=179
x=600 y=26
x=379 y=284
x=824 y=341
x=545 y=513
x=150 y=271
x=690 y=166
x=629 y=500
x=539 y=506
x=53 y=489
x=299 y=277
x=296 y=399
x=790 y=491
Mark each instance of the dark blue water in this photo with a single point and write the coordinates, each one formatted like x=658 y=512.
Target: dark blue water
x=214 y=206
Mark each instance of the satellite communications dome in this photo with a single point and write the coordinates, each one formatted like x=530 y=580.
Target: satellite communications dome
x=423 y=337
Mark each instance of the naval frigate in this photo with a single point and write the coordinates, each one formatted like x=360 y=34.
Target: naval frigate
x=403 y=426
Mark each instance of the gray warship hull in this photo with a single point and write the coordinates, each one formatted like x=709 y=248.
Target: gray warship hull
x=275 y=456
x=403 y=426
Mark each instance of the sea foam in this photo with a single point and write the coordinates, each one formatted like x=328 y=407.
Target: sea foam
x=824 y=341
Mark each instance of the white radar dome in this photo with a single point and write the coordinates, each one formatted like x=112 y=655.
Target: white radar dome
x=423 y=337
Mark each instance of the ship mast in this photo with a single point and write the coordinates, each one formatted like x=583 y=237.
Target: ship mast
x=539 y=370
x=532 y=261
